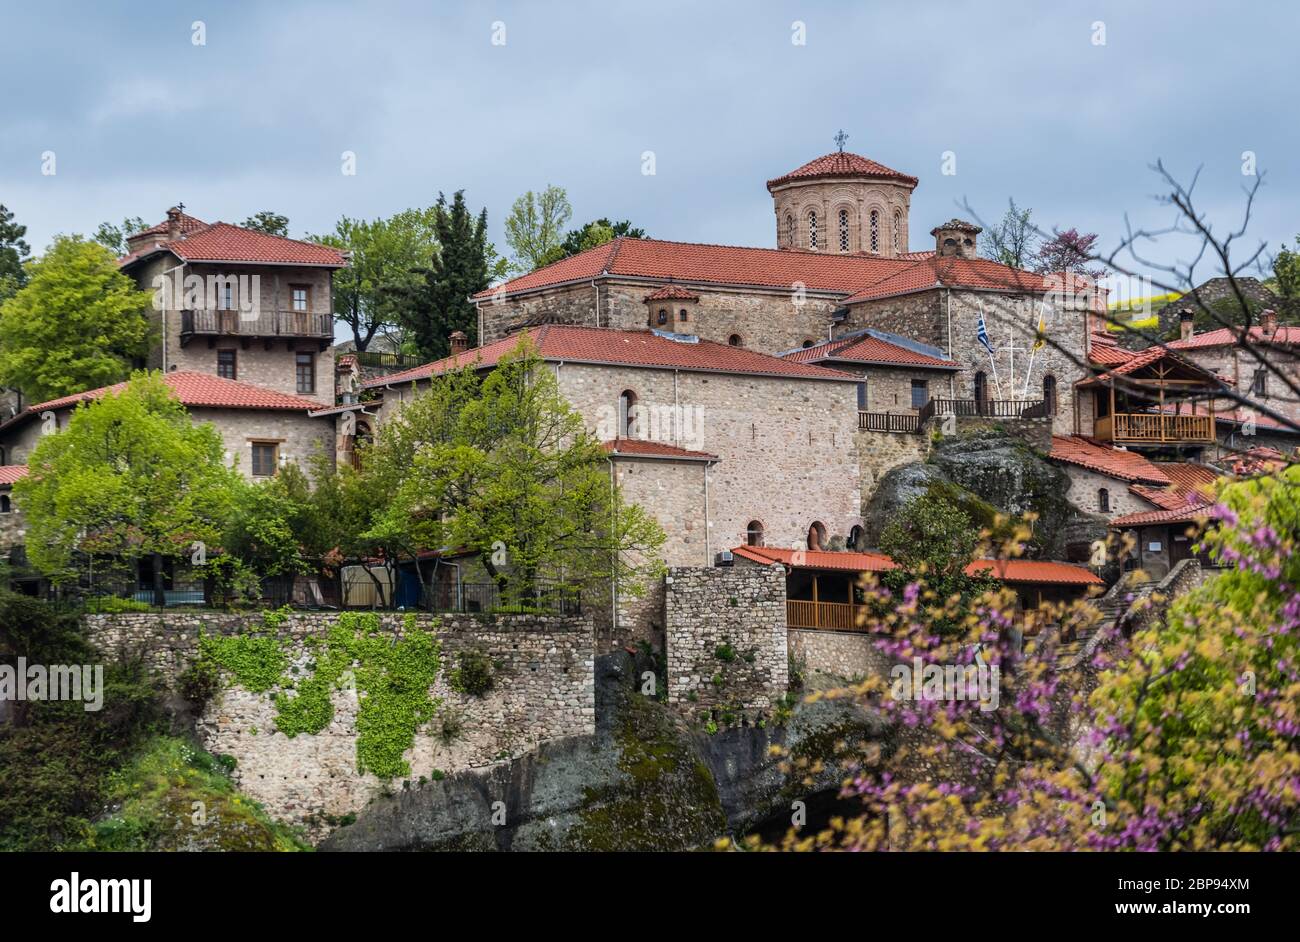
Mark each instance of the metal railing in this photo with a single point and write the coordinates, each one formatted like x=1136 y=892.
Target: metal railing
x=889 y=422
x=489 y=598
x=257 y=324
x=380 y=359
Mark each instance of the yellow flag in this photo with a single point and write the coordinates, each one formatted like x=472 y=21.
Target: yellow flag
x=1042 y=328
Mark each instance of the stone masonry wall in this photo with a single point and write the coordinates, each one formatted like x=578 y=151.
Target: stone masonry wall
x=844 y=655
x=707 y=609
x=543 y=689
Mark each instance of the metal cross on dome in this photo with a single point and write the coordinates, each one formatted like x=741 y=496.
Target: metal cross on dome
x=840 y=138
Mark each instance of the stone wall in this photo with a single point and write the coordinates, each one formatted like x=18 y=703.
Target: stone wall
x=844 y=655
x=1085 y=484
x=543 y=689
x=726 y=638
x=298 y=436
x=881 y=452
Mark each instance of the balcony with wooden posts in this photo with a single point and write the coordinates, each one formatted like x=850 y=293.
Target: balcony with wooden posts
x=905 y=422
x=831 y=616
x=260 y=324
x=1156 y=399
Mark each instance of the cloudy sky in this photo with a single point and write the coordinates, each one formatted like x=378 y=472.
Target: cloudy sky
x=139 y=117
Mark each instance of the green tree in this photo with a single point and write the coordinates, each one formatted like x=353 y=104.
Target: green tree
x=1286 y=271
x=78 y=323
x=597 y=233
x=114 y=237
x=1013 y=241
x=464 y=265
x=270 y=524
x=505 y=466
x=930 y=535
x=388 y=257
x=269 y=223
x=535 y=225
x=13 y=253
x=131 y=476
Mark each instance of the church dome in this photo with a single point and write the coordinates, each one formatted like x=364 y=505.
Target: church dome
x=843 y=164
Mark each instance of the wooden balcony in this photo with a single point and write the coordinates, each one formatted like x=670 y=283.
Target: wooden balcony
x=889 y=422
x=831 y=616
x=260 y=324
x=1139 y=428
x=987 y=408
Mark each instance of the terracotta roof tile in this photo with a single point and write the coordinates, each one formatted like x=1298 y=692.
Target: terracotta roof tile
x=696 y=264
x=1284 y=336
x=640 y=448
x=654 y=349
x=873 y=346
x=202 y=390
x=843 y=164
x=187 y=224
x=671 y=293
x=1035 y=571
x=222 y=242
x=1112 y=462
x=817 y=559
x=1155 y=517
x=9 y=473
x=1145 y=358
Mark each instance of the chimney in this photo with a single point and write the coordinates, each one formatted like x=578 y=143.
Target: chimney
x=1186 y=324
x=1268 y=321
x=956 y=237
x=459 y=342
x=173 y=224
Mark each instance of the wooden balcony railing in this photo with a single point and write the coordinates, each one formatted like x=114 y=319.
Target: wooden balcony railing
x=1144 y=428
x=889 y=422
x=259 y=324
x=832 y=616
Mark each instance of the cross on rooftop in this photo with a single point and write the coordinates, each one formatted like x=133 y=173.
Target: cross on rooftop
x=840 y=138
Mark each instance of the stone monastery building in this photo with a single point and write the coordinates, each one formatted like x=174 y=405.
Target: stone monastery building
x=747 y=396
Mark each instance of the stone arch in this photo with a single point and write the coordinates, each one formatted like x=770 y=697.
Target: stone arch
x=817 y=535
x=754 y=532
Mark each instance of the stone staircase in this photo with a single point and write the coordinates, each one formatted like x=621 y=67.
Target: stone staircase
x=1119 y=600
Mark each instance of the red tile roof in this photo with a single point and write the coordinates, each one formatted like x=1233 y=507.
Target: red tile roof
x=1112 y=462
x=1284 y=336
x=1144 y=358
x=201 y=390
x=639 y=448
x=671 y=293
x=873 y=347
x=187 y=224
x=222 y=242
x=1154 y=517
x=1035 y=571
x=701 y=264
x=571 y=344
x=949 y=271
x=1237 y=416
x=1006 y=570
x=9 y=473
x=1104 y=351
x=816 y=559
x=842 y=164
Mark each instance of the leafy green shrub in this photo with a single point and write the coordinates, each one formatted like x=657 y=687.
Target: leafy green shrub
x=725 y=652
x=472 y=674
x=112 y=605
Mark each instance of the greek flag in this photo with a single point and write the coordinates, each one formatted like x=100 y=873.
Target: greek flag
x=982 y=334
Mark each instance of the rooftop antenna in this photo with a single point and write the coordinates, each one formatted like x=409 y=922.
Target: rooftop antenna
x=840 y=138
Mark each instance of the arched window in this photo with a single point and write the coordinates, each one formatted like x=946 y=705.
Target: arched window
x=875 y=231
x=754 y=533
x=1049 y=394
x=808 y=343
x=844 y=230
x=662 y=317
x=683 y=316
x=789 y=230
x=898 y=231
x=812 y=229
x=817 y=535
x=4 y=504
x=627 y=414
x=1103 y=500
x=857 y=539
x=734 y=340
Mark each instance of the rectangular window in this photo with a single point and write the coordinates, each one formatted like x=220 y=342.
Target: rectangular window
x=301 y=297
x=226 y=364
x=1259 y=385
x=306 y=367
x=862 y=397
x=266 y=457
x=920 y=393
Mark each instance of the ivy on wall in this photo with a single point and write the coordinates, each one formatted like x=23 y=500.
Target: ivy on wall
x=391 y=677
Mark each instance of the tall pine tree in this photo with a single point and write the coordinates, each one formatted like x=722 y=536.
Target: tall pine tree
x=13 y=252
x=440 y=304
